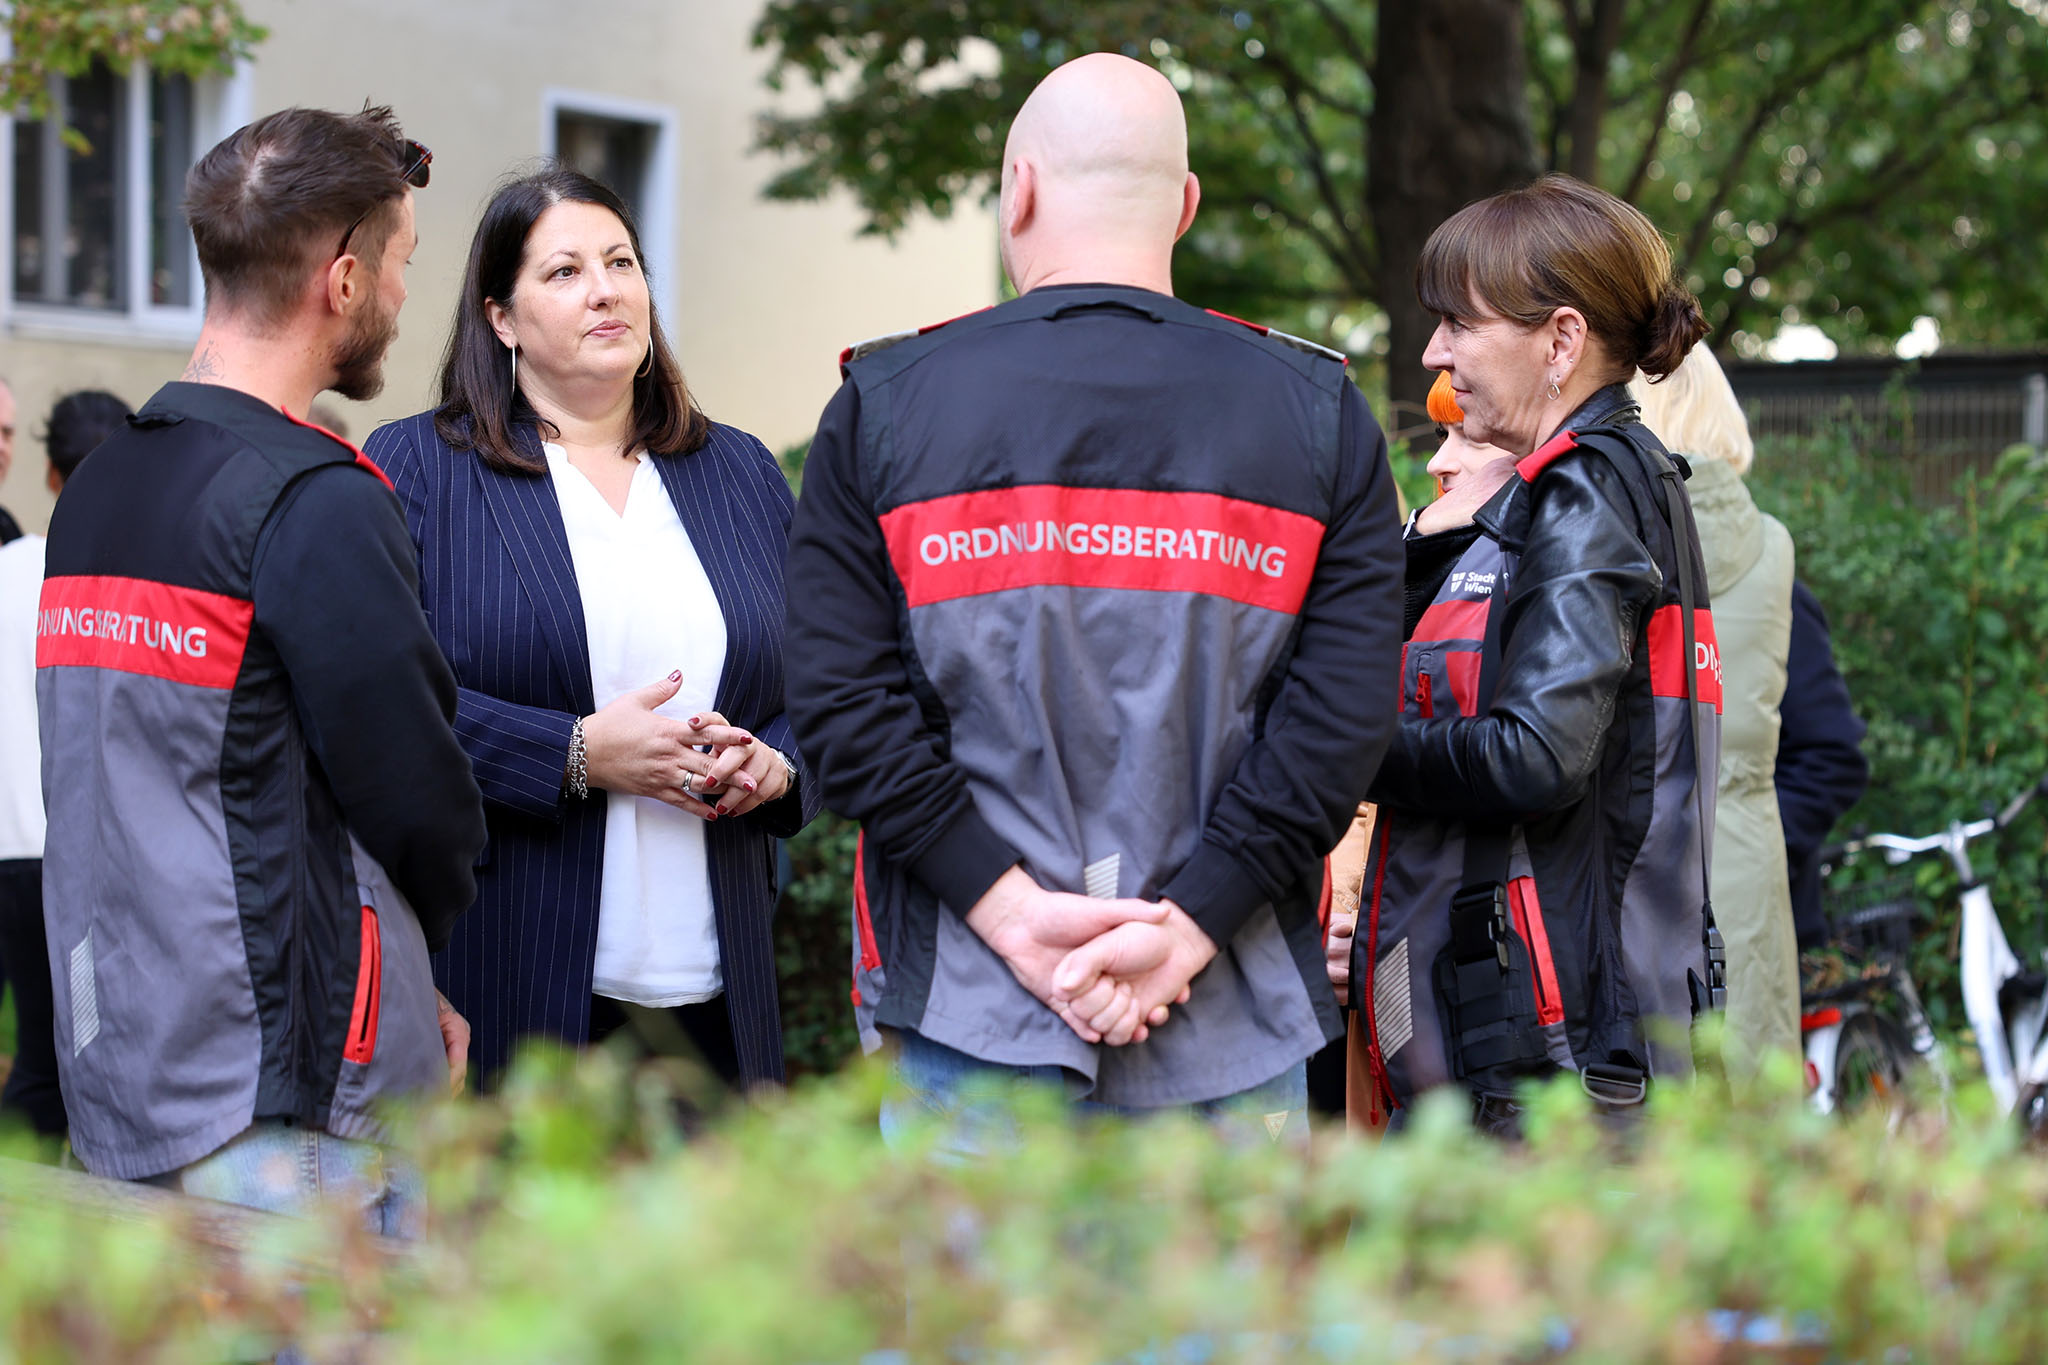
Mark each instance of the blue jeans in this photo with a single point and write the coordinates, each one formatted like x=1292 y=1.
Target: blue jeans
x=967 y=1095
x=280 y=1167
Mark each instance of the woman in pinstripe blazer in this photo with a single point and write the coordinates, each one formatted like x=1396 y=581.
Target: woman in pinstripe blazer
x=581 y=526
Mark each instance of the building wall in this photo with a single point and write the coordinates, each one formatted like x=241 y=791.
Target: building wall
x=761 y=295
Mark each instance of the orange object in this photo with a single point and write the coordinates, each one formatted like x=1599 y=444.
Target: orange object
x=1443 y=404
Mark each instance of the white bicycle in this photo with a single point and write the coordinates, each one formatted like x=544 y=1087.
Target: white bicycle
x=1864 y=1036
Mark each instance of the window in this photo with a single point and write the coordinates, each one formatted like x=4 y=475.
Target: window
x=630 y=147
x=617 y=151
x=100 y=242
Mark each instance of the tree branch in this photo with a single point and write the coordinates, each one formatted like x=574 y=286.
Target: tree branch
x=1553 y=103
x=1293 y=79
x=1592 y=51
x=1354 y=286
x=1347 y=37
x=1350 y=258
x=1788 y=84
x=1674 y=72
x=1895 y=173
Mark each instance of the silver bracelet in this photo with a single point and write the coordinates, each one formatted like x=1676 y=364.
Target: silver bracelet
x=576 y=778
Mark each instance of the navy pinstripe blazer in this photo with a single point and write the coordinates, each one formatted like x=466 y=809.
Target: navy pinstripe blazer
x=500 y=593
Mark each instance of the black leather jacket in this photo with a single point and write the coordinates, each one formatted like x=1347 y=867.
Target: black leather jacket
x=1585 y=756
x=1585 y=584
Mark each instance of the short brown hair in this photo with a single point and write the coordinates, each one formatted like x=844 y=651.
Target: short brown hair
x=1560 y=243
x=272 y=199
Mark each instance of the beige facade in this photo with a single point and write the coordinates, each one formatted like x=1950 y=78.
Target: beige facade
x=757 y=297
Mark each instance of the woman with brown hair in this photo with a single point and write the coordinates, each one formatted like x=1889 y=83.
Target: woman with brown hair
x=1535 y=895
x=602 y=565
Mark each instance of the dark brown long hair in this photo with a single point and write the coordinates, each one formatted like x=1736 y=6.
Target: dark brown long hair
x=481 y=408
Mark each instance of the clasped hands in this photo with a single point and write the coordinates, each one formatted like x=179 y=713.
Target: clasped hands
x=702 y=765
x=1111 y=969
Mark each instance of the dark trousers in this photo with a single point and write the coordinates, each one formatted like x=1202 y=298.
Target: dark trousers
x=31 y=1093
x=700 y=1032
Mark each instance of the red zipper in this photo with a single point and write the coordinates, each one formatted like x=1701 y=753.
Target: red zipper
x=362 y=1021
x=1527 y=911
x=1376 y=1065
x=870 y=956
x=1423 y=701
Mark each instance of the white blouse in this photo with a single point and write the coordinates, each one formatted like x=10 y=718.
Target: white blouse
x=648 y=609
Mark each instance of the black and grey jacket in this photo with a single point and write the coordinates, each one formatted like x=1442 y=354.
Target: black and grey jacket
x=1108 y=586
x=260 y=820
x=1583 y=761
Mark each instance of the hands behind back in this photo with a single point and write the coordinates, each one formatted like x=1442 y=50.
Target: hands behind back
x=1109 y=968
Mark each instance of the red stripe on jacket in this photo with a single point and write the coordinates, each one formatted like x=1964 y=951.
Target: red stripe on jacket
x=133 y=625
x=1667 y=654
x=1459 y=620
x=1039 y=535
x=362 y=461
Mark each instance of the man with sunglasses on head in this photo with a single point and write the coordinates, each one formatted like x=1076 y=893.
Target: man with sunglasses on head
x=260 y=821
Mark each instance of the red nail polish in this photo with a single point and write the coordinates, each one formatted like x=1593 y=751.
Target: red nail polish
x=746 y=739
x=695 y=721
x=750 y=784
x=676 y=676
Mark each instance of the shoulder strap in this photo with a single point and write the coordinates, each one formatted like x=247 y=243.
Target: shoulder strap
x=1669 y=481
x=1479 y=911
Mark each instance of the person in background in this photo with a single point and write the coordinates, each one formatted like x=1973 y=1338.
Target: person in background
x=1821 y=771
x=1468 y=473
x=1749 y=577
x=10 y=529
x=1538 y=877
x=603 y=566
x=260 y=820
x=1098 y=743
x=78 y=422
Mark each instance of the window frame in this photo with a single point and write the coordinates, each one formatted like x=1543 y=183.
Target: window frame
x=220 y=104
x=658 y=220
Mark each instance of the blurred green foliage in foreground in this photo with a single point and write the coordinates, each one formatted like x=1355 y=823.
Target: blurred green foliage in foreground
x=570 y=1223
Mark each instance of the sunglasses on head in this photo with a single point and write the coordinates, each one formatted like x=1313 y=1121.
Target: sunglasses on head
x=419 y=169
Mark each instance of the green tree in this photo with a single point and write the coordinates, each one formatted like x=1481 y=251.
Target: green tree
x=1845 y=163
x=66 y=37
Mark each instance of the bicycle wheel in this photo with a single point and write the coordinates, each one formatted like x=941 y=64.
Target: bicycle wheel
x=1872 y=1062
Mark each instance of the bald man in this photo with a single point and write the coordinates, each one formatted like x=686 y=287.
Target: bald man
x=1094 y=627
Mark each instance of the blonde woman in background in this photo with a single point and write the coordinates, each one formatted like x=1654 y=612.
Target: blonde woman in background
x=1749 y=573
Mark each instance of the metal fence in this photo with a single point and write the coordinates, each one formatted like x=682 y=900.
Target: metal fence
x=1941 y=414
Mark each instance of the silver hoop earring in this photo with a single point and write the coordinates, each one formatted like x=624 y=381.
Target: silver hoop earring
x=647 y=368
x=515 y=368
x=1553 y=392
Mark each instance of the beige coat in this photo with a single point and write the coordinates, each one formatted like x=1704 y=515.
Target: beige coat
x=1749 y=578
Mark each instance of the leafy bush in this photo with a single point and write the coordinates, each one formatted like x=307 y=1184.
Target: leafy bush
x=1939 y=616
x=570 y=1224
x=814 y=948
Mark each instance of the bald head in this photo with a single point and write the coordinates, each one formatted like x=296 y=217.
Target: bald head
x=1095 y=176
